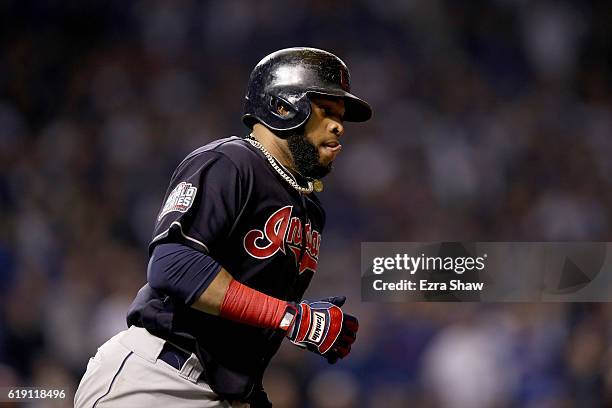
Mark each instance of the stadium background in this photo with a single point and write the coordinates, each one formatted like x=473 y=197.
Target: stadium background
x=493 y=122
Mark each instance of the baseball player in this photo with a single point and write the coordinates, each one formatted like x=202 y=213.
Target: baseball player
x=235 y=245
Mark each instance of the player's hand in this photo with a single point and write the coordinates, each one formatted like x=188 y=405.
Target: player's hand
x=322 y=327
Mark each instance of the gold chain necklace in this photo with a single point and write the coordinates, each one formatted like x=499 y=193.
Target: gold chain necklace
x=275 y=166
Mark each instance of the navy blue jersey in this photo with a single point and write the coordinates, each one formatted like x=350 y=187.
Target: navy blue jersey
x=227 y=201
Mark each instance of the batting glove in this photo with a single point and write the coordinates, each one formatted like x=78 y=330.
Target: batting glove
x=322 y=327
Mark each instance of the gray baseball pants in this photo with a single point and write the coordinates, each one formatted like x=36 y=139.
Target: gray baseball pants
x=126 y=372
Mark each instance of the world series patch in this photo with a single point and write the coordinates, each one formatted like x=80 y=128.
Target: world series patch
x=180 y=199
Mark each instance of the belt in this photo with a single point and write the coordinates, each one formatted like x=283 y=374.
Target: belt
x=176 y=357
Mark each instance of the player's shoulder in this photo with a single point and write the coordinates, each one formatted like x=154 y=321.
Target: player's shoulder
x=229 y=146
x=234 y=149
x=230 y=152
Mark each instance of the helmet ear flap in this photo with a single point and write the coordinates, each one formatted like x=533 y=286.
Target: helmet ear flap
x=286 y=113
x=281 y=108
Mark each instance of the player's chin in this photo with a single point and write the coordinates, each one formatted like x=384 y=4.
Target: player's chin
x=324 y=162
x=327 y=155
x=322 y=170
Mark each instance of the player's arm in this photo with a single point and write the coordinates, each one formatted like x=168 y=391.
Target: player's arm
x=320 y=326
x=197 y=280
x=211 y=299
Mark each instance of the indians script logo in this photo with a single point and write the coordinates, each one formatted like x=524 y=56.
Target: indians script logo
x=281 y=229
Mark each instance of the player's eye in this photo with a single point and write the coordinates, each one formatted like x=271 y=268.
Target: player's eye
x=329 y=111
x=332 y=113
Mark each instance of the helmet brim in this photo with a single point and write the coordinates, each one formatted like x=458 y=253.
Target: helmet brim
x=355 y=108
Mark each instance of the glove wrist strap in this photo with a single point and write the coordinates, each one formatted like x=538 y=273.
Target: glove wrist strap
x=245 y=305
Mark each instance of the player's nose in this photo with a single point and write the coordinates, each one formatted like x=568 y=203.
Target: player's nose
x=335 y=127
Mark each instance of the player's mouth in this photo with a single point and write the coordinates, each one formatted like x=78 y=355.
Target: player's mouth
x=331 y=148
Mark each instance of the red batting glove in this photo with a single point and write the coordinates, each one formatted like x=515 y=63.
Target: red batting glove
x=321 y=327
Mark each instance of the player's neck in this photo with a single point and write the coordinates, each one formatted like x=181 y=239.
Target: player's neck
x=276 y=146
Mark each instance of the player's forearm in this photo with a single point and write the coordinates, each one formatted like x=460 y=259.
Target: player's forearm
x=211 y=299
x=249 y=306
x=197 y=280
x=232 y=300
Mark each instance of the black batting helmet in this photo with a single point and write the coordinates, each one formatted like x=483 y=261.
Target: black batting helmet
x=277 y=94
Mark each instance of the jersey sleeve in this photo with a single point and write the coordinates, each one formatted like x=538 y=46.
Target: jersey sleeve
x=181 y=271
x=202 y=204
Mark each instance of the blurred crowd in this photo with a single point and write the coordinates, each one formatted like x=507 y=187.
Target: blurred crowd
x=493 y=122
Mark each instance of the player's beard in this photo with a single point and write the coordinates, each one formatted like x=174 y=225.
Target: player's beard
x=306 y=157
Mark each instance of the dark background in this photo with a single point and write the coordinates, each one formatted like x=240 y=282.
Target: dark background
x=493 y=122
